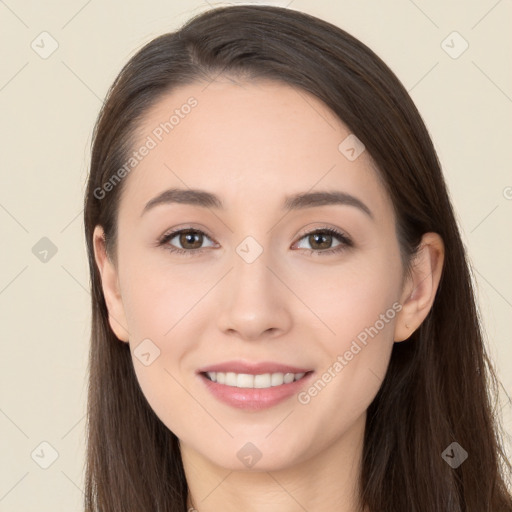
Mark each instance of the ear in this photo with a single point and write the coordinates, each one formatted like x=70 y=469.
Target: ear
x=420 y=288
x=110 y=285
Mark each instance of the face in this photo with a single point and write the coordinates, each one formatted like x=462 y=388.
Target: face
x=290 y=304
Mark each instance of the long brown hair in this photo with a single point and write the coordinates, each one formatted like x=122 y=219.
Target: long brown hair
x=440 y=384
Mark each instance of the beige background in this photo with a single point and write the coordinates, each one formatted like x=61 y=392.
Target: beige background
x=48 y=110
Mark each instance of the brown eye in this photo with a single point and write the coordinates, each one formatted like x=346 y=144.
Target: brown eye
x=191 y=239
x=324 y=241
x=186 y=241
x=320 y=241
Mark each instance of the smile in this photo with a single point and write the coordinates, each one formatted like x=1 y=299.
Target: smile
x=254 y=391
x=259 y=381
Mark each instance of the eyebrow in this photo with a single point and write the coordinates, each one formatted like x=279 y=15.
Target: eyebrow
x=299 y=201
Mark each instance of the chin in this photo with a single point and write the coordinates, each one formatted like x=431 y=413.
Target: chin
x=254 y=454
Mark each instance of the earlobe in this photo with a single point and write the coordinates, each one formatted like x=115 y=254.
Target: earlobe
x=421 y=287
x=110 y=286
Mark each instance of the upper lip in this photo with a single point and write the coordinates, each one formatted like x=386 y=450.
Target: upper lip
x=253 y=368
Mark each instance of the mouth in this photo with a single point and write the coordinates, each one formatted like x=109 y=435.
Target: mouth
x=254 y=386
x=249 y=381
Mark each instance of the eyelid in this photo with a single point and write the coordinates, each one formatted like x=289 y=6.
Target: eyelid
x=344 y=239
x=189 y=227
x=308 y=230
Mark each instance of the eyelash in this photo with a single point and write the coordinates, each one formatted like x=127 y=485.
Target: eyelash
x=345 y=242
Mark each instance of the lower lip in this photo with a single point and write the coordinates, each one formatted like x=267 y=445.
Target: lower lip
x=251 y=398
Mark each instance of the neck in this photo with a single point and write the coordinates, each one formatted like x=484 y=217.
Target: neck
x=327 y=481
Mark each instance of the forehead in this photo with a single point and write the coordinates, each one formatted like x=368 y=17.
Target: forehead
x=249 y=140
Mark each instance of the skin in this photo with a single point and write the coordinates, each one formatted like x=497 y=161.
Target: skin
x=252 y=144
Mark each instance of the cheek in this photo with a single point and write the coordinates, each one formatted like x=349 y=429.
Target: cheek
x=348 y=299
x=158 y=308
x=158 y=301
x=358 y=309
x=162 y=307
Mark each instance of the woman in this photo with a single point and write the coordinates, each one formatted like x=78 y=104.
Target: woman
x=283 y=316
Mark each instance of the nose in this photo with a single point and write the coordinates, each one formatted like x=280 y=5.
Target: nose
x=254 y=303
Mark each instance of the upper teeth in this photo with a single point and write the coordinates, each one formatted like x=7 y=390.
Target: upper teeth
x=245 y=380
